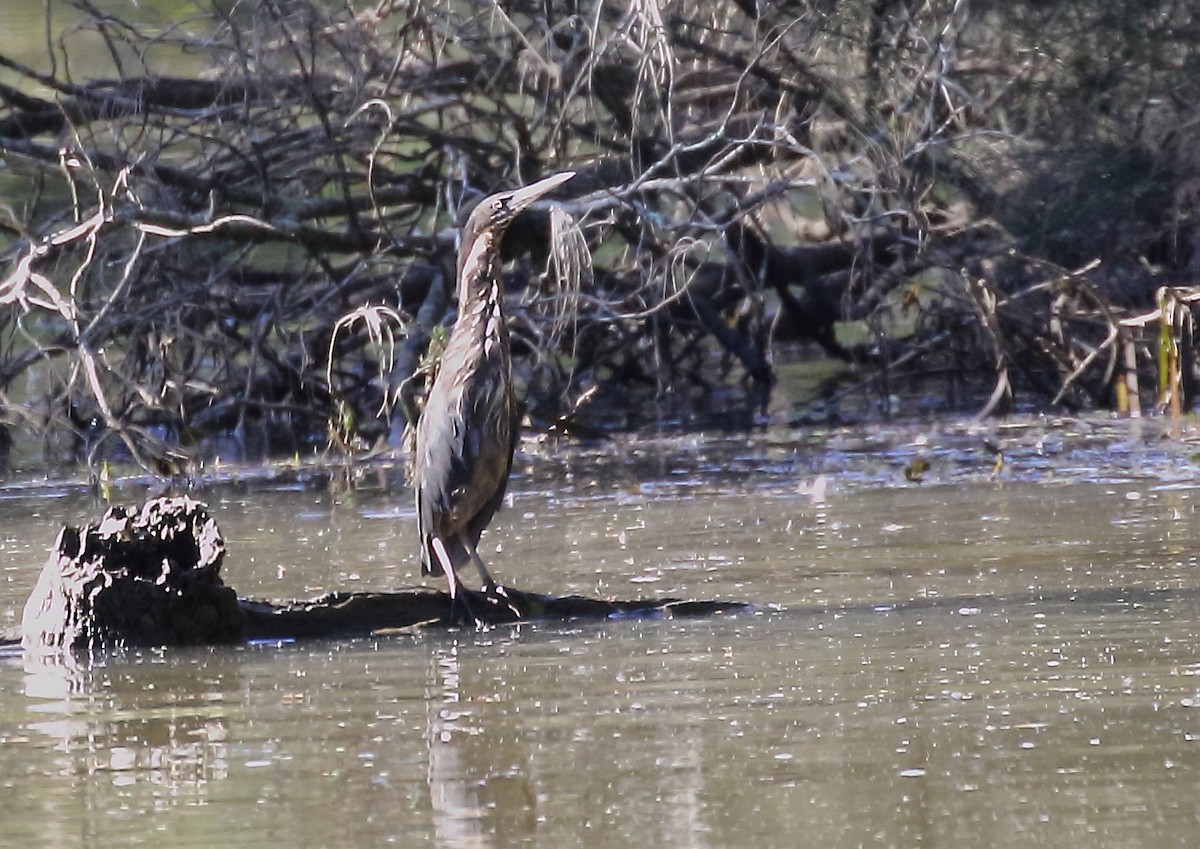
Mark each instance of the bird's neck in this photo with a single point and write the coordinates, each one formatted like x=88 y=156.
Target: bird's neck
x=481 y=296
x=478 y=261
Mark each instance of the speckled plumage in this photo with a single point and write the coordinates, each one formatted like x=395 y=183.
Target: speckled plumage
x=469 y=426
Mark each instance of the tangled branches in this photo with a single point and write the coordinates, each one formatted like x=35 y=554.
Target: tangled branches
x=259 y=251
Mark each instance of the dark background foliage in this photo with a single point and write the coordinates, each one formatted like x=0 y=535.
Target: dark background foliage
x=240 y=238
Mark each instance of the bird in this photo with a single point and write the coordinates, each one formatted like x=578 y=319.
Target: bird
x=468 y=429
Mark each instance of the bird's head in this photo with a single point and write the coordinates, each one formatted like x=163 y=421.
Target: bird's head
x=495 y=212
x=480 y=242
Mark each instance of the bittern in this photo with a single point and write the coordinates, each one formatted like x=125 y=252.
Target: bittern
x=468 y=430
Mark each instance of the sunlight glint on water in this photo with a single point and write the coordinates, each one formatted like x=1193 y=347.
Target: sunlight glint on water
x=964 y=662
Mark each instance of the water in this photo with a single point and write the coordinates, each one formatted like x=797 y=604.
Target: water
x=967 y=661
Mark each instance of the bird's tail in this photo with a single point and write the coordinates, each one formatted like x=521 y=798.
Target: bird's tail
x=438 y=561
x=439 y=556
x=431 y=564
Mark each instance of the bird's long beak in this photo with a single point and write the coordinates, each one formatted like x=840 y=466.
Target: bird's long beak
x=526 y=195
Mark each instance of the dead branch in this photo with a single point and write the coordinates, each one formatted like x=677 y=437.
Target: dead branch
x=182 y=247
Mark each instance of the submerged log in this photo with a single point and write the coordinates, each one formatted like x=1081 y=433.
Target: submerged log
x=343 y=614
x=150 y=576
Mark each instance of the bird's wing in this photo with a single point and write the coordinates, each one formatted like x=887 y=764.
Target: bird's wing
x=487 y=450
x=504 y=444
x=465 y=443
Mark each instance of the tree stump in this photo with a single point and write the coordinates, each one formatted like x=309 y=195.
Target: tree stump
x=145 y=576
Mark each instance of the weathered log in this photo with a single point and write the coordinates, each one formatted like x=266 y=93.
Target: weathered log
x=342 y=614
x=150 y=576
x=139 y=577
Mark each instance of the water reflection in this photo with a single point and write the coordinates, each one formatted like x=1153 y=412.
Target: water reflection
x=971 y=661
x=112 y=725
x=472 y=806
x=1013 y=722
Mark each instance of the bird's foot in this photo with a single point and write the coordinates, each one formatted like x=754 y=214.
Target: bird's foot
x=498 y=595
x=462 y=614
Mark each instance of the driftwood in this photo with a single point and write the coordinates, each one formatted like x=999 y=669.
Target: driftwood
x=150 y=576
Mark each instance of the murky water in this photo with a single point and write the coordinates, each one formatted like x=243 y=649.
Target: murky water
x=969 y=661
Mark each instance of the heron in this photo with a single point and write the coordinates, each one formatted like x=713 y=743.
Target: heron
x=469 y=427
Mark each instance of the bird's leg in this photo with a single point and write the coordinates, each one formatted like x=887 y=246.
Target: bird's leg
x=489 y=583
x=490 y=587
x=456 y=595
